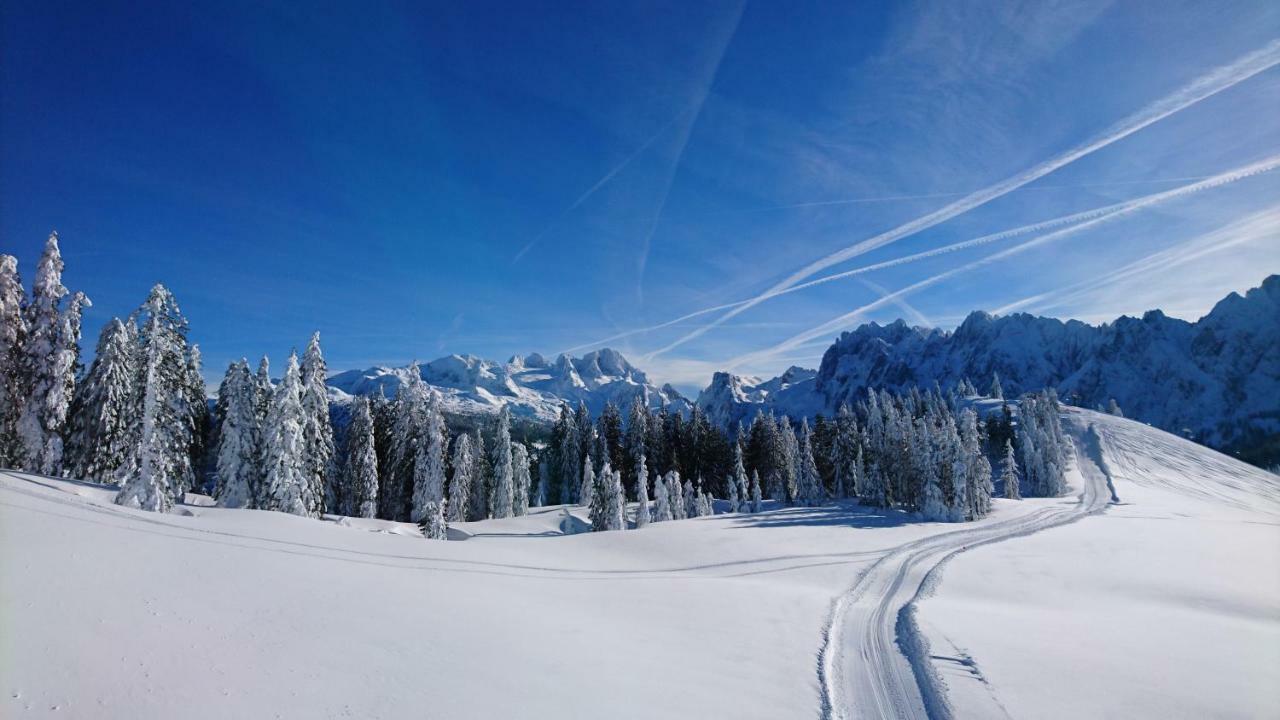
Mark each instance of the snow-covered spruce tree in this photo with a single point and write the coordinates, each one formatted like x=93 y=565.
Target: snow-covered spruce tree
x=1009 y=473
x=587 y=492
x=98 y=438
x=601 y=498
x=791 y=460
x=636 y=436
x=733 y=495
x=690 y=497
x=409 y=420
x=503 y=473
x=933 y=506
x=978 y=469
x=199 y=420
x=586 y=437
x=844 y=452
x=162 y=425
x=757 y=498
x=13 y=331
x=239 y=440
x=287 y=476
x=661 y=501
x=317 y=431
x=460 y=486
x=262 y=388
x=808 y=482
x=1113 y=408
x=48 y=364
x=433 y=524
x=642 y=492
x=617 y=503
x=544 y=483
x=481 y=478
x=740 y=483
x=997 y=392
x=520 y=479
x=675 y=495
x=429 y=466
x=358 y=490
x=566 y=457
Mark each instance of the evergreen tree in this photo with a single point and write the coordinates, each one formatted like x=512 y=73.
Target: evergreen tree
x=602 y=499
x=1009 y=473
x=287 y=477
x=588 y=490
x=521 y=479
x=997 y=392
x=98 y=440
x=933 y=507
x=739 y=482
x=1114 y=409
x=161 y=425
x=757 y=501
x=409 y=420
x=610 y=435
x=809 y=484
x=637 y=434
x=463 y=472
x=198 y=420
x=429 y=466
x=358 y=494
x=48 y=364
x=13 y=331
x=675 y=495
x=617 y=503
x=733 y=495
x=690 y=498
x=566 y=457
x=433 y=524
x=844 y=449
x=239 y=440
x=317 y=431
x=503 y=473
x=642 y=492
x=481 y=478
x=661 y=501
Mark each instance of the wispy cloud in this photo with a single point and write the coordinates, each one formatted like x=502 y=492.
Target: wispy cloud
x=1203 y=87
x=843 y=321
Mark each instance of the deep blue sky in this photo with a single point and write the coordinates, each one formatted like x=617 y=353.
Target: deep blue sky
x=413 y=180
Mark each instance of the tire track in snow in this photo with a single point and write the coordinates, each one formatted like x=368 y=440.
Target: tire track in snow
x=874 y=662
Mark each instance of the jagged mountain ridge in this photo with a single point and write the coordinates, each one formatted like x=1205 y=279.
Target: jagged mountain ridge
x=533 y=386
x=1216 y=380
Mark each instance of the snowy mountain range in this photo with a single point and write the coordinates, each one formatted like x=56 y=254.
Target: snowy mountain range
x=533 y=386
x=1216 y=380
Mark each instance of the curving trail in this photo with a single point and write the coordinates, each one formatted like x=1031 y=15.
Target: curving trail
x=873 y=662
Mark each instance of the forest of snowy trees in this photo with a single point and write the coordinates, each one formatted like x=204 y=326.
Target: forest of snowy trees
x=138 y=417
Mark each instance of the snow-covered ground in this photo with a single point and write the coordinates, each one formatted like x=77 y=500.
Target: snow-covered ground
x=110 y=612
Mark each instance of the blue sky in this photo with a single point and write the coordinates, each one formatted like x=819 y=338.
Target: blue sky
x=502 y=178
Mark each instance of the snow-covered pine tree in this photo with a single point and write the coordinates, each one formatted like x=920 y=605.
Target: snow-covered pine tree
x=637 y=434
x=199 y=421
x=661 y=501
x=481 y=478
x=733 y=495
x=933 y=506
x=601 y=498
x=642 y=492
x=433 y=524
x=690 y=496
x=503 y=474
x=844 y=450
x=358 y=493
x=997 y=392
x=409 y=420
x=1113 y=408
x=520 y=479
x=979 y=489
x=13 y=331
x=617 y=503
x=675 y=495
x=98 y=439
x=588 y=489
x=742 y=492
x=239 y=440
x=429 y=466
x=808 y=482
x=48 y=364
x=1009 y=473
x=566 y=457
x=757 y=500
x=161 y=426
x=262 y=388
x=317 y=432
x=463 y=472
x=287 y=474
x=791 y=460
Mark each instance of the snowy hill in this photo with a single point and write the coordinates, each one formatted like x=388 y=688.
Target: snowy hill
x=1216 y=380
x=1162 y=602
x=534 y=387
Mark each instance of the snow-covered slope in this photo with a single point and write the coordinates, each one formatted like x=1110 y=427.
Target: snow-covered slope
x=1217 y=380
x=533 y=386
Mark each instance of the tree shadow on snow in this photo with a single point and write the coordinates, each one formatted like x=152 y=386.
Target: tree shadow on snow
x=834 y=515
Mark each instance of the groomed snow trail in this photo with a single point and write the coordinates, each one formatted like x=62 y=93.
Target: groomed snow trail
x=874 y=663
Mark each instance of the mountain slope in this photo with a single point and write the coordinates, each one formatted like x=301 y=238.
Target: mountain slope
x=1216 y=380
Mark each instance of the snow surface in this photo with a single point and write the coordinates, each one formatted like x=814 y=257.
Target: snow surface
x=213 y=613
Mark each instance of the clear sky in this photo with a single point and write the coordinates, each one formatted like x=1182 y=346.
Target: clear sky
x=416 y=179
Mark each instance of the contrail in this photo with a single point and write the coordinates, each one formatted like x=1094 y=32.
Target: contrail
x=1261 y=225
x=954 y=247
x=1261 y=166
x=600 y=183
x=1203 y=87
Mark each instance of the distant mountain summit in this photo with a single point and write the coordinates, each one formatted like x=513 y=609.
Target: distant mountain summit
x=531 y=385
x=1216 y=380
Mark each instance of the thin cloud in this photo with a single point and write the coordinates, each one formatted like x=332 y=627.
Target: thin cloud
x=1261 y=166
x=1203 y=87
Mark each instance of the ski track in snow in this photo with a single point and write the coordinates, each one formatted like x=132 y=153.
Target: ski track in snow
x=874 y=661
